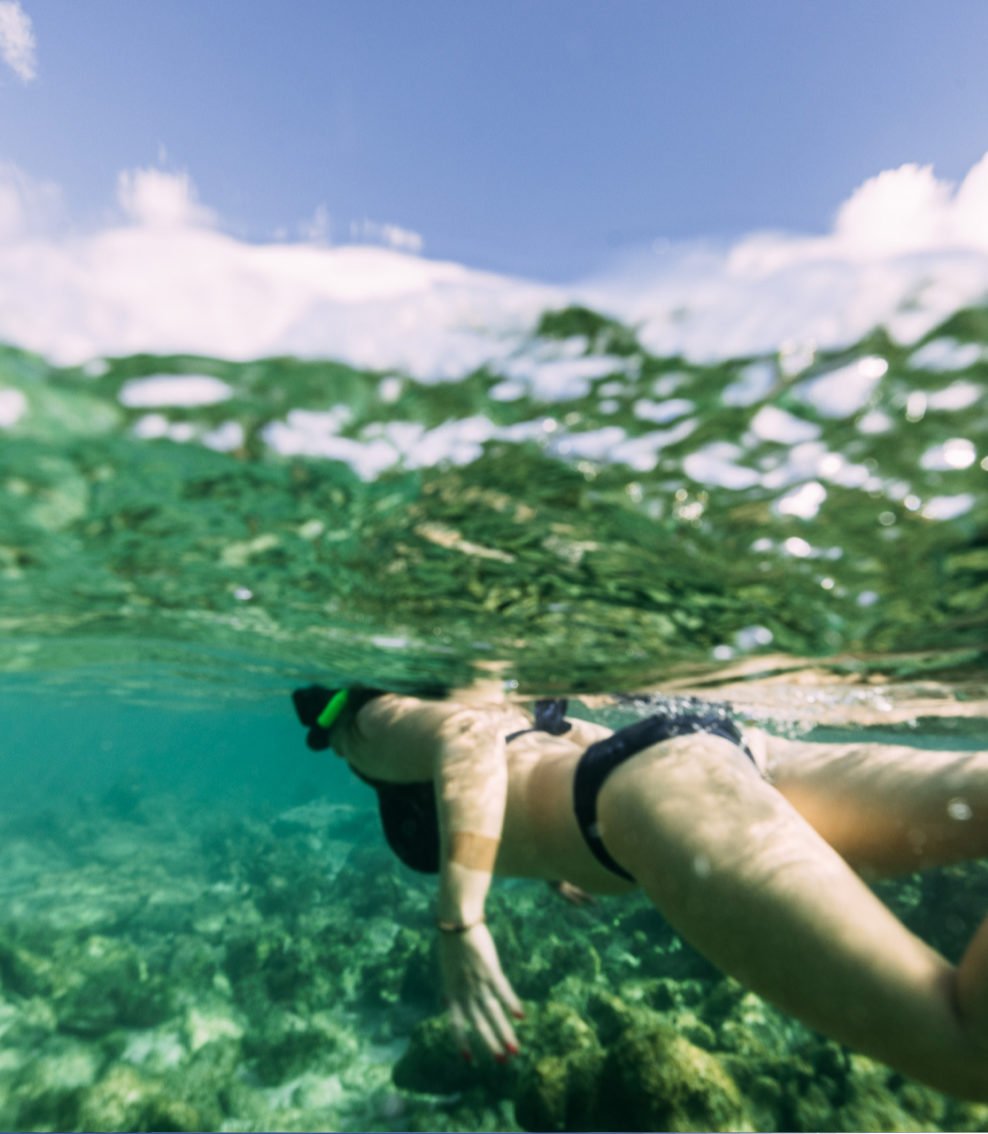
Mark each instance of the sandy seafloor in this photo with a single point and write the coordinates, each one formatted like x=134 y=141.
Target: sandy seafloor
x=237 y=950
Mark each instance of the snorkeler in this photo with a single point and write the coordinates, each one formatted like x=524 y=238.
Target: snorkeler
x=748 y=844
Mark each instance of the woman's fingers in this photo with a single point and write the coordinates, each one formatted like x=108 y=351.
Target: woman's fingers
x=483 y=1027
x=482 y=1013
x=494 y=975
x=479 y=995
x=499 y=1023
x=505 y=993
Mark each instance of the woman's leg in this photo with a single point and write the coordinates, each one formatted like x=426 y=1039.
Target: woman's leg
x=887 y=809
x=739 y=872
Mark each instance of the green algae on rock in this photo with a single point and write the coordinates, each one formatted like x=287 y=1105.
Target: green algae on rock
x=655 y=1079
x=559 y=1084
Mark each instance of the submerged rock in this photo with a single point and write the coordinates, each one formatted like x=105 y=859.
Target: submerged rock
x=433 y=1064
x=406 y=973
x=106 y=984
x=48 y=1090
x=559 y=1084
x=654 y=1079
x=127 y=1099
x=285 y=1044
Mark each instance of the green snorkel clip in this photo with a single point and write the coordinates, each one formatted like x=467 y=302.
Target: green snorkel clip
x=337 y=703
x=318 y=710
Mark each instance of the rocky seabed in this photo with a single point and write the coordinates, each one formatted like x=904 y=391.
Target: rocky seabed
x=166 y=967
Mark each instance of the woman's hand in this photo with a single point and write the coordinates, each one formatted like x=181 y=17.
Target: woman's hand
x=573 y=894
x=477 y=992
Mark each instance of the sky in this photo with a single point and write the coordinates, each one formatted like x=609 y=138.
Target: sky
x=644 y=149
x=534 y=138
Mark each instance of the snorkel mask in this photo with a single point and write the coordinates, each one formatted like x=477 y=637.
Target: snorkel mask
x=319 y=709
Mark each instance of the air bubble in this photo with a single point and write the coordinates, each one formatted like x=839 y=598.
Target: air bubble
x=959 y=809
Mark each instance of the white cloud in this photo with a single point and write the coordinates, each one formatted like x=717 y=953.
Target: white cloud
x=899 y=210
x=846 y=390
x=158 y=199
x=390 y=235
x=17 y=45
x=908 y=209
x=896 y=213
x=906 y=250
x=174 y=390
x=716 y=464
x=774 y=424
x=170 y=279
x=27 y=207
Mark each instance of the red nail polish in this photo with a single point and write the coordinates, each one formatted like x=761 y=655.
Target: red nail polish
x=500 y=1057
x=512 y=1050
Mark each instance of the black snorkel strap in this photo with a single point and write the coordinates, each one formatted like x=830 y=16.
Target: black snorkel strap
x=550 y=717
x=319 y=709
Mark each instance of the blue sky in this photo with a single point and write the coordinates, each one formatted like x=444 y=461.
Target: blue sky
x=540 y=139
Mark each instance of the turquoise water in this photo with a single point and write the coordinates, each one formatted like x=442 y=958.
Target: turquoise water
x=201 y=926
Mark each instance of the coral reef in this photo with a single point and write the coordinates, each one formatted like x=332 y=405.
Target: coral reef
x=162 y=969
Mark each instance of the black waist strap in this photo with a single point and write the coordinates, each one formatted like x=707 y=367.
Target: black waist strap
x=550 y=717
x=600 y=759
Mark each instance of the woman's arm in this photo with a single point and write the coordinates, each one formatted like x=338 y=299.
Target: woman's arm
x=471 y=778
x=462 y=750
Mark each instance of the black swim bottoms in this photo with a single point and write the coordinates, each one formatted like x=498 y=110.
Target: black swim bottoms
x=600 y=759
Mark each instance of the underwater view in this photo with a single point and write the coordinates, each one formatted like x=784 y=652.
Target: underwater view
x=493 y=566
x=202 y=926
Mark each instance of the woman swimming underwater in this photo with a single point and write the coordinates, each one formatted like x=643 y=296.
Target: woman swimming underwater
x=749 y=845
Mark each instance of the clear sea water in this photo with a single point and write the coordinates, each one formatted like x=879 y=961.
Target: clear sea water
x=192 y=935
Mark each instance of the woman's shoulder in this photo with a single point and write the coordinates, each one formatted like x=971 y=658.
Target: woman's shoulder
x=397 y=737
x=389 y=712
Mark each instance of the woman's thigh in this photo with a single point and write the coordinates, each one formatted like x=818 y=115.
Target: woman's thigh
x=742 y=876
x=887 y=808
